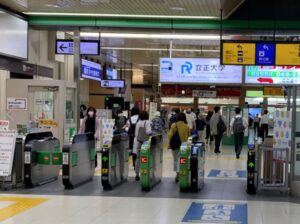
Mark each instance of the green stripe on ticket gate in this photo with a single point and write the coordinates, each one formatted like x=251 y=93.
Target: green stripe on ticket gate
x=184 y=165
x=145 y=161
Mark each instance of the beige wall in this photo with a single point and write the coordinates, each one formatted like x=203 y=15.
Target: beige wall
x=97 y=94
x=4 y=75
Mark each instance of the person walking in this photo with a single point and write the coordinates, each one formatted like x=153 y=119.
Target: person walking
x=157 y=124
x=130 y=128
x=264 y=124
x=209 y=138
x=200 y=126
x=142 y=133
x=190 y=121
x=178 y=134
x=256 y=125
x=217 y=128
x=238 y=125
x=90 y=124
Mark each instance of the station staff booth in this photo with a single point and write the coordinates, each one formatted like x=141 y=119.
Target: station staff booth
x=47 y=105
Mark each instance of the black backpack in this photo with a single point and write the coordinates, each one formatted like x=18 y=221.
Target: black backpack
x=175 y=141
x=238 y=126
x=131 y=130
x=172 y=120
x=221 y=126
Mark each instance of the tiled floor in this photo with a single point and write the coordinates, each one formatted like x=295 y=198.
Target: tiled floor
x=89 y=204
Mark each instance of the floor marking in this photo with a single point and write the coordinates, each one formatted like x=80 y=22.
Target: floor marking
x=19 y=205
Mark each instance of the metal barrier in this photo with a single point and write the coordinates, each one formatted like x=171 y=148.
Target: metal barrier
x=191 y=165
x=273 y=168
x=114 y=161
x=78 y=161
x=151 y=159
x=42 y=158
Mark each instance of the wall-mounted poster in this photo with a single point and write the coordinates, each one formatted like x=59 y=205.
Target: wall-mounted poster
x=282 y=129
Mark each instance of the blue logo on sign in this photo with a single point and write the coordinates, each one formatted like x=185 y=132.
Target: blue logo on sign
x=166 y=66
x=187 y=67
x=265 y=54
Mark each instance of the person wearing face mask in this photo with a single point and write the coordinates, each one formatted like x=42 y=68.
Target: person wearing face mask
x=90 y=125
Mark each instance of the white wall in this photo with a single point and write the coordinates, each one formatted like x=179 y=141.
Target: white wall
x=4 y=74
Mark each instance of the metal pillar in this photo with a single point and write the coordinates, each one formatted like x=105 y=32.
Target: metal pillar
x=77 y=74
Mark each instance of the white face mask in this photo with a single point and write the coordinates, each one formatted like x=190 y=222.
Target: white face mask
x=91 y=113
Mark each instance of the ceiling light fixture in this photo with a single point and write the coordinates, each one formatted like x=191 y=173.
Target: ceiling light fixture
x=177 y=8
x=52 y=5
x=153 y=36
x=119 y=15
x=159 y=49
x=148 y=65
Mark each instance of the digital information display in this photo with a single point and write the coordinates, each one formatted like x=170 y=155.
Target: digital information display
x=272 y=75
x=86 y=47
x=91 y=70
x=117 y=83
x=287 y=54
x=111 y=73
x=238 y=53
x=198 y=70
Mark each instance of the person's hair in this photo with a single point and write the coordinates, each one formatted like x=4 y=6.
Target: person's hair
x=144 y=115
x=135 y=111
x=83 y=106
x=91 y=109
x=209 y=115
x=181 y=117
x=192 y=109
x=217 y=109
x=237 y=110
x=119 y=111
x=265 y=111
x=177 y=111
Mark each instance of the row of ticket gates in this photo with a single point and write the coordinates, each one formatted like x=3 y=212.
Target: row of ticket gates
x=43 y=160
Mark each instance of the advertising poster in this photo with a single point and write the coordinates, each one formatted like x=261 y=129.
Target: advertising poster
x=7 y=150
x=4 y=125
x=198 y=70
x=152 y=110
x=107 y=130
x=282 y=129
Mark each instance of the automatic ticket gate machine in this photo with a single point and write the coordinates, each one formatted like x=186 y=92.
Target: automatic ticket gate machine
x=151 y=160
x=78 y=160
x=114 y=161
x=191 y=165
x=42 y=158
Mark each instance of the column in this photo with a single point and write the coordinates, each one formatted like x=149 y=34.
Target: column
x=4 y=75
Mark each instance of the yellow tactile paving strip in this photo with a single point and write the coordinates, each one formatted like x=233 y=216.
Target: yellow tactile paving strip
x=20 y=205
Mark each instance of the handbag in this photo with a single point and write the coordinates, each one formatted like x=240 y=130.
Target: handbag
x=221 y=126
x=175 y=141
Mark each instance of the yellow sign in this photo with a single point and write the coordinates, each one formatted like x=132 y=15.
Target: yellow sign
x=44 y=122
x=271 y=91
x=287 y=54
x=238 y=53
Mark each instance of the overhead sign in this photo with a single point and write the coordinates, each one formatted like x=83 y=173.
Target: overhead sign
x=287 y=54
x=265 y=54
x=238 y=53
x=287 y=75
x=64 y=47
x=217 y=213
x=113 y=83
x=91 y=70
x=273 y=91
x=16 y=104
x=7 y=150
x=87 y=47
x=198 y=70
x=205 y=93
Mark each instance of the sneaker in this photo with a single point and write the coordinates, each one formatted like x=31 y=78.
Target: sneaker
x=137 y=178
x=237 y=156
x=177 y=179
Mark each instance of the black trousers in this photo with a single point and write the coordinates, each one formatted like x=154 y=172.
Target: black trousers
x=208 y=137
x=218 y=139
x=256 y=127
x=265 y=130
x=238 y=142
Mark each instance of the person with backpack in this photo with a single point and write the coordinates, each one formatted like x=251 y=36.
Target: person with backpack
x=238 y=125
x=217 y=128
x=209 y=138
x=200 y=126
x=157 y=124
x=130 y=128
x=120 y=122
x=142 y=134
x=173 y=117
x=178 y=134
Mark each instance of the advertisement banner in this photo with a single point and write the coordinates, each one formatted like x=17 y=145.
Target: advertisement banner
x=7 y=150
x=198 y=70
x=282 y=129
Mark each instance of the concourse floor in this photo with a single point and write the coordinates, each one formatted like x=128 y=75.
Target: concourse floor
x=222 y=200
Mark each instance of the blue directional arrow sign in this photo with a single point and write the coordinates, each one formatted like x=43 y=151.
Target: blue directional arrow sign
x=265 y=54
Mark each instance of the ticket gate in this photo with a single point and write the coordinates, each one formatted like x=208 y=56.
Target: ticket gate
x=78 y=161
x=191 y=166
x=151 y=159
x=42 y=158
x=114 y=161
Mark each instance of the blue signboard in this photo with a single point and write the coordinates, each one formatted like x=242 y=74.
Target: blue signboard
x=91 y=70
x=265 y=54
x=228 y=173
x=217 y=213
